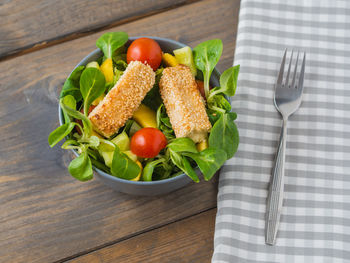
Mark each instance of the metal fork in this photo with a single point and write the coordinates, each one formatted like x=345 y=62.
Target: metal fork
x=287 y=100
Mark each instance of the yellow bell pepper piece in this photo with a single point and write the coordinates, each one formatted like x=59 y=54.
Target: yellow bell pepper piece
x=169 y=60
x=145 y=117
x=202 y=145
x=98 y=100
x=137 y=178
x=107 y=69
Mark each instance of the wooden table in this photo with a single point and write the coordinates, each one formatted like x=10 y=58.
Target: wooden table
x=46 y=215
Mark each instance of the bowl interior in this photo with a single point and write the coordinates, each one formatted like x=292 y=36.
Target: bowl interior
x=167 y=45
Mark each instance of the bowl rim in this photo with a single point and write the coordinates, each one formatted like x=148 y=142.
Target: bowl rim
x=114 y=178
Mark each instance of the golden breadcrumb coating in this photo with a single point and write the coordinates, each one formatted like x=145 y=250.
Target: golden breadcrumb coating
x=184 y=103
x=123 y=99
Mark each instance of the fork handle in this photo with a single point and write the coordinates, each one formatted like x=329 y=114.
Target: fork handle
x=276 y=190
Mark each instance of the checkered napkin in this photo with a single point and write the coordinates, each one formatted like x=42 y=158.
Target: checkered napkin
x=315 y=221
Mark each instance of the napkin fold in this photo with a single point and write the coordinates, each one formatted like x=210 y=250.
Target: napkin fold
x=315 y=221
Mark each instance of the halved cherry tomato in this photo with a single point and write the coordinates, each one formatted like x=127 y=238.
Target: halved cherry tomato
x=145 y=50
x=147 y=142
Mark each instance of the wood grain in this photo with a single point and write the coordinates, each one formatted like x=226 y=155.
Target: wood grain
x=186 y=241
x=45 y=214
x=30 y=24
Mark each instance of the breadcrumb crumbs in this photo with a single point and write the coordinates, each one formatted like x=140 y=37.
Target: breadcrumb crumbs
x=184 y=103
x=123 y=99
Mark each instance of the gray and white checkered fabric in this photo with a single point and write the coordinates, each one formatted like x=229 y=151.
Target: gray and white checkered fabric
x=315 y=222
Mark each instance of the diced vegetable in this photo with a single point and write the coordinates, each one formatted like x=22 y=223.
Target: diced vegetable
x=122 y=141
x=134 y=128
x=107 y=69
x=145 y=117
x=131 y=155
x=137 y=178
x=98 y=100
x=184 y=56
x=106 y=151
x=169 y=60
x=202 y=145
x=108 y=157
x=93 y=64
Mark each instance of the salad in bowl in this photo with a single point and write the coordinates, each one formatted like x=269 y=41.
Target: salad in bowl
x=138 y=113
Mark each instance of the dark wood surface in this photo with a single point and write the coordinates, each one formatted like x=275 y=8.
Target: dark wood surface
x=46 y=215
x=30 y=24
x=188 y=240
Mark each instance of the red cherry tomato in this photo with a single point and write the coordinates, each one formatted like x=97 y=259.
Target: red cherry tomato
x=147 y=142
x=145 y=50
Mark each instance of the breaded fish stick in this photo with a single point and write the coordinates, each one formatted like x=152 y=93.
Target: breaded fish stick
x=184 y=104
x=123 y=99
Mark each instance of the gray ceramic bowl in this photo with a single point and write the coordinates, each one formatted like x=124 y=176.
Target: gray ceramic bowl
x=140 y=187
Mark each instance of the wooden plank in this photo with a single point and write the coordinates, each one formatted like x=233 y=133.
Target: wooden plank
x=45 y=214
x=189 y=240
x=30 y=24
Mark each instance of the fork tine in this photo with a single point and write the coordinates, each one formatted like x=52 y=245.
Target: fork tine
x=301 y=76
x=290 y=64
x=280 y=74
x=295 y=71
